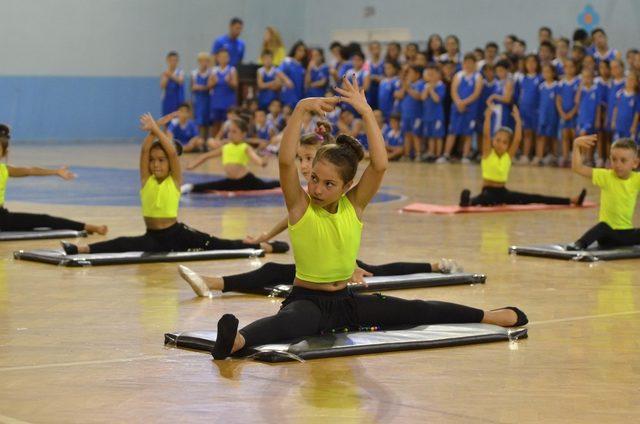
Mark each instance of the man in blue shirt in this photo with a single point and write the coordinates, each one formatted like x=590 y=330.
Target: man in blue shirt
x=231 y=43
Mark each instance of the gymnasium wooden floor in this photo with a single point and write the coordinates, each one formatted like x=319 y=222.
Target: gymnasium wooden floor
x=86 y=345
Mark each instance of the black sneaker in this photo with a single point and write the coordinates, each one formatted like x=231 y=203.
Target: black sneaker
x=573 y=247
x=465 y=198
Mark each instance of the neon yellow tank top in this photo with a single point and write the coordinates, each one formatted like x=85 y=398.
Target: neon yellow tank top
x=160 y=200
x=4 y=176
x=325 y=245
x=496 y=168
x=235 y=154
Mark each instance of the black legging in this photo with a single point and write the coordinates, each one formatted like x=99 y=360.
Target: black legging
x=491 y=196
x=271 y=274
x=17 y=221
x=248 y=182
x=609 y=238
x=308 y=312
x=177 y=238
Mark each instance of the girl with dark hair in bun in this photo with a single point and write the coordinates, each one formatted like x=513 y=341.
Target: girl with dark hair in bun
x=325 y=226
x=14 y=221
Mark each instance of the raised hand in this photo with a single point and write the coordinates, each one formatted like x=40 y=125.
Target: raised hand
x=353 y=94
x=147 y=123
x=586 y=141
x=318 y=105
x=65 y=174
x=515 y=112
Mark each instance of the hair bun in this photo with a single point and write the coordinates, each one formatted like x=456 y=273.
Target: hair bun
x=348 y=142
x=5 y=131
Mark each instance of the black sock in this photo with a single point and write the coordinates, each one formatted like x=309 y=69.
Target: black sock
x=583 y=194
x=69 y=249
x=227 y=331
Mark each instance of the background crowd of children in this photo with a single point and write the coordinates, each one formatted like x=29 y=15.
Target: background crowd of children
x=430 y=103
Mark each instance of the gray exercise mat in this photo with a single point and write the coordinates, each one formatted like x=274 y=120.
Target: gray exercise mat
x=40 y=234
x=558 y=251
x=357 y=343
x=58 y=257
x=398 y=282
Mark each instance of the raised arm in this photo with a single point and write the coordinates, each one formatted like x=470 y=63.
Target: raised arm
x=146 y=147
x=486 y=130
x=517 y=132
x=369 y=183
x=584 y=142
x=149 y=124
x=295 y=197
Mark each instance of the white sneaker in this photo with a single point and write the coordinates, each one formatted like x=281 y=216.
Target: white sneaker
x=449 y=266
x=195 y=281
x=524 y=160
x=465 y=161
x=599 y=163
x=535 y=161
x=548 y=160
x=186 y=188
x=442 y=159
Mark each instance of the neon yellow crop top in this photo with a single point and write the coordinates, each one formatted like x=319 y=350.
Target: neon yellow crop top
x=325 y=245
x=235 y=154
x=4 y=176
x=160 y=200
x=496 y=168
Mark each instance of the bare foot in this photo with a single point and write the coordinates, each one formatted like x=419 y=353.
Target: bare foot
x=238 y=343
x=99 y=229
x=266 y=247
x=84 y=249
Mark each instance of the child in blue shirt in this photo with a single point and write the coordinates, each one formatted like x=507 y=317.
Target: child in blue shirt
x=528 y=102
x=376 y=73
x=567 y=106
x=410 y=98
x=292 y=75
x=200 y=93
x=172 y=84
x=267 y=81
x=387 y=88
x=588 y=100
x=317 y=76
x=223 y=82
x=185 y=130
x=502 y=98
x=394 y=138
x=466 y=89
x=433 y=126
x=547 y=130
x=627 y=109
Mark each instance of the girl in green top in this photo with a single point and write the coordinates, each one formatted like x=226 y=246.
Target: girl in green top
x=160 y=177
x=325 y=224
x=497 y=155
x=17 y=221
x=619 y=193
x=236 y=155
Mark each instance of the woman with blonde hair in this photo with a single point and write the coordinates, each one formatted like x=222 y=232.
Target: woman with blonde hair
x=272 y=41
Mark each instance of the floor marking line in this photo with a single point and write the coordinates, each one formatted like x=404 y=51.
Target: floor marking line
x=97 y=362
x=614 y=314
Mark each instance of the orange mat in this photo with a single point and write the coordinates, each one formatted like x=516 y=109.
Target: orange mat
x=452 y=209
